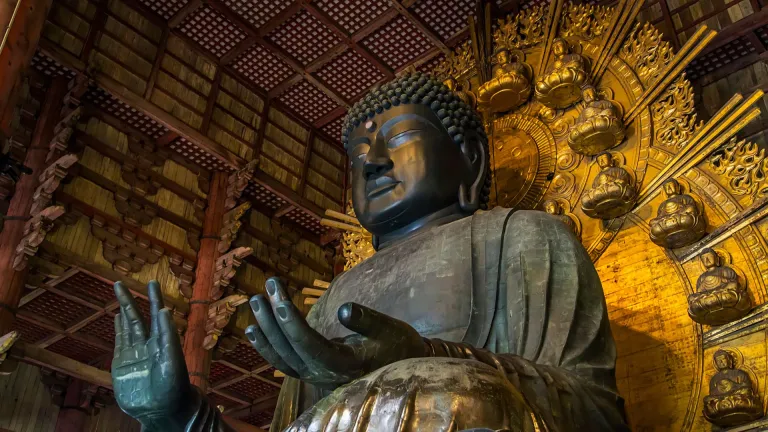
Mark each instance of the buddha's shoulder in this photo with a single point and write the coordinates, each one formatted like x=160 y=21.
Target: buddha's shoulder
x=514 y=220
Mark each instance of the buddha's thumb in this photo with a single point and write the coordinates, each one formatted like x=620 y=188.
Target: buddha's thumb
x=371 y=323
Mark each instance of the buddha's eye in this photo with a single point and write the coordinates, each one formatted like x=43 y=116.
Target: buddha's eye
x=402 y=138
x=358 y=154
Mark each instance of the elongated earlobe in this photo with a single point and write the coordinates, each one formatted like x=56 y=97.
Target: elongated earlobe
x=477 y=153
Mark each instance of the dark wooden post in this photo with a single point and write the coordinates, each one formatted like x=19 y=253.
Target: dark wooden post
x=72 y=416
x=12 y=281
x=197 y=357
x=22 y=23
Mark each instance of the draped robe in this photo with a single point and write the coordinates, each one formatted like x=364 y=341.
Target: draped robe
x=513 y=282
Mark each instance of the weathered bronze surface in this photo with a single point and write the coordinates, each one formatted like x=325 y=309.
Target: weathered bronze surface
x=599 y=126
x=721 y=296
x=510 y=86
x=732 y=398
x=613 y=191
x=561 y=86
x=679 y=220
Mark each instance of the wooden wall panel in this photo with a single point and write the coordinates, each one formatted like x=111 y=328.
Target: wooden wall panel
x=26 y=403
x=112 y=419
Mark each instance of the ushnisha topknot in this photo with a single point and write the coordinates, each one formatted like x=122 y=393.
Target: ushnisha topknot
x=425 y=89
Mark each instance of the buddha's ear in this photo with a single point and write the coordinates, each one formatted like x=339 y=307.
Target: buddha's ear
x=475 y=149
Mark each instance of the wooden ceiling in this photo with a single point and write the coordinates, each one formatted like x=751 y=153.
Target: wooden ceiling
x=283 y=63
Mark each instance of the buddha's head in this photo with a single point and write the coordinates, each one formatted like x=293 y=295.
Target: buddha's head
x=724 y=360
x=589 y=94
x=552 y=207
x=415 y=149
x=709 y=258
x=671 y=187
x=604 y=160
x=559 y=47
x=502 y=56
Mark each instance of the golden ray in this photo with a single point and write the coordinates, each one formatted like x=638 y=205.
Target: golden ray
x=624 y=25
x=553 y=23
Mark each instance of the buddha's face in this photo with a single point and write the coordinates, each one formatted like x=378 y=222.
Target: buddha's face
x=723 y=360
x=671 y=188
x=551 y=207
x=604 y=160
x=406 y=166
x=590 y=95
x=709 y=258
x=502 y=57
x=559 y=47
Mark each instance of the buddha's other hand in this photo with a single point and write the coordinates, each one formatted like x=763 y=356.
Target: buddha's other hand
x=149 y=375
x=285 y=339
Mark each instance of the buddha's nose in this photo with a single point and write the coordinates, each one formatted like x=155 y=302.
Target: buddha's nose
x=377 y=166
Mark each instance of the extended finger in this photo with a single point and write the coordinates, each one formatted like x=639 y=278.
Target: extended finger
x=261 y=344
x=268 y=326
x=155 y=304
x=374 y=324
x=132 y=313
x=118 y=335
x=168 y=336
x=127 y=337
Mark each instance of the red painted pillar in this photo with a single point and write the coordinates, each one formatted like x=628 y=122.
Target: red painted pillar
x=72 y=416
x=12 y=281
x=199 y=359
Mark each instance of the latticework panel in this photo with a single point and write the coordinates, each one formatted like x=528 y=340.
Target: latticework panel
x=30 y=333
x=57 y=309
x=397 y=43
x=307 y=221
x=50 y=67
x=762 y=34
x=264 y=69
x=212 y=30
x=430 y=65
x=258 y=419
x=352 y=15
x=719 y=57
x=128 y=114
x=308 y=101
x=446 y=17
x=245 y=357
x=220 y=373
x=350 y=74
x=333 y=128
x=165 y=8
x=196 y=155
x=102 y=328
x=263 y=196
x=252 y=388
x=257 y=12
x=88 y=288
x=304 y=37
x=77 y=350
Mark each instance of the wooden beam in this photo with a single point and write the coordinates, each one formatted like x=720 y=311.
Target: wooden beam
x=428 y=32
x=95 y=28
x=284 y=210
x=282 y=191
x=31 y=354
x=263 y=404
x=211 y=103
x=671 y=33
x=162 y=46
x=309 y=147
x=184 y=12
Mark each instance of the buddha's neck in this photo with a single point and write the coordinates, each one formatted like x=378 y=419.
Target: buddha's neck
x=440 y=217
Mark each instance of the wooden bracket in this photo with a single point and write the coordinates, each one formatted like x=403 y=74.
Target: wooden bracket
x=50 y=180
x=219 y=314
x=231 y=226
x=134 y=213
x=122 y=248
x=34 y=234
x=226 y=266
x=184 y=270
x=237 y=182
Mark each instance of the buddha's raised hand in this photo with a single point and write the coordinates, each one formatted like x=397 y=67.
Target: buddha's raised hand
x=285 y=339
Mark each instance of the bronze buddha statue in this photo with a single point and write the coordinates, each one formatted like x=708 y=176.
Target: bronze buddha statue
x=613 y=191
x=510 y=86
x=679 y=220
x=561 y=86
x=447 y=326
x=732 y=398
x=721 y=295
x=599 y=126
x=554 y=208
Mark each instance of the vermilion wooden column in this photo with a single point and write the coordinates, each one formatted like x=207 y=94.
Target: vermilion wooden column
x=12 y=281
x=19 y=47
x=198 y=358
x=72 y=416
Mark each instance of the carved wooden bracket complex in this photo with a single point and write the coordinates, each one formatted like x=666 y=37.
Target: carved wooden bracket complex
x=50 y=180
x=122 y=248
x=219 y=314
x=184 y=270
x=226 y=266
x=237 y=183
x=281 y=255
x=142 y=157
x=34 y=234
x=134 y=213
x=231 y=225
x=62 y=135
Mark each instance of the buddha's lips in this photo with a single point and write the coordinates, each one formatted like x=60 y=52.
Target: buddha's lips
x=380 y=185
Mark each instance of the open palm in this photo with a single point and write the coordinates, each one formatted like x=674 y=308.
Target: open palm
x=149 y=375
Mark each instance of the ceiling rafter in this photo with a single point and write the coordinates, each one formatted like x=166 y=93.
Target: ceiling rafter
x=184 y=12
x=428 y=32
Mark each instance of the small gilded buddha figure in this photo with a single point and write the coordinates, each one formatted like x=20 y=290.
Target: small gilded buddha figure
x=613 y=191
x=599 y=126
x=561 y=86
x=555 y=209
x=462 y=91
x=679 y=220
x=732 y=398
x=510 y=86
x=721 y=296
